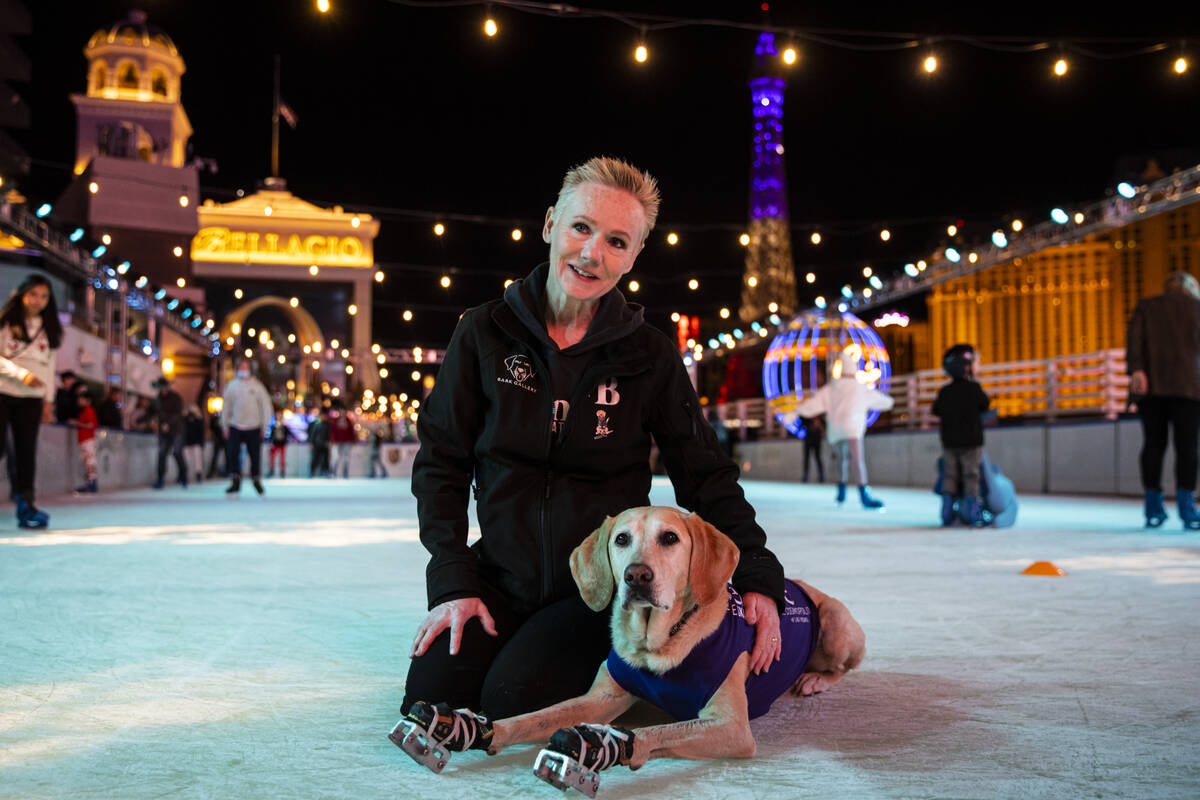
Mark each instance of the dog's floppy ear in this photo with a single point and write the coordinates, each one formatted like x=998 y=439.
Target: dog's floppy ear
x=714 y=557
x=590 y=567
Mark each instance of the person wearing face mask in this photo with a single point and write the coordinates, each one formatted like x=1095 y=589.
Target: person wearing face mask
x=30 y=334
x=544 y=408
x=246 y=412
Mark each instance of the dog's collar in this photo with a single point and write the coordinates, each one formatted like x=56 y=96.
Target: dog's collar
x=683 y=620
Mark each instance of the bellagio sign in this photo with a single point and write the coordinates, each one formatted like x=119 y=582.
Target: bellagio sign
x=216 y=243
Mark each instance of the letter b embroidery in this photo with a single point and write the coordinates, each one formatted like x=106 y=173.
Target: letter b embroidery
x=607 y=394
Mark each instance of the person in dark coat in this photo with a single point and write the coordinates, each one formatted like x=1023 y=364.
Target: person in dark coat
x=545 y=407
x=814 y=434
x=959 y=407
x=217 y=433
x=66 y=404
x=168 y=415
x=109 y=410
x=1162 y=354
x=318 y=443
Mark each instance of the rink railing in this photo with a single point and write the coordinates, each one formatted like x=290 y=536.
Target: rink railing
x=1080 y=385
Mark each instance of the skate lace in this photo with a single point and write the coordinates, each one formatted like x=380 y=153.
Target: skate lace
x=457 y=729
x=609 y=753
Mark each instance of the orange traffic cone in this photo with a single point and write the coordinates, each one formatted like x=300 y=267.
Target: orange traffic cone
x=1044 y=568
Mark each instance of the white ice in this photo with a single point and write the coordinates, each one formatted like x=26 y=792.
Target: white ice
x=181 y=644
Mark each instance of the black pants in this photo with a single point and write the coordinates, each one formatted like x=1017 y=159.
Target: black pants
x=253 y=441
x=171 y=444
x=24 y=416
x=812 y=450
x=218 y=453
x=318 y=463
x=535 y=661
x=1183 y=415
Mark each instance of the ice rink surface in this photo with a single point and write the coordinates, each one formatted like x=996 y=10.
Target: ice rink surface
x=179 y=644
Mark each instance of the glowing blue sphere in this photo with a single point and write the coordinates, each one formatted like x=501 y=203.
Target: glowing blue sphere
x=799 y=359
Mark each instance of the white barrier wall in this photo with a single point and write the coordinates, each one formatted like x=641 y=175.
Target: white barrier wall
x=1077 y=458
x=127 y=459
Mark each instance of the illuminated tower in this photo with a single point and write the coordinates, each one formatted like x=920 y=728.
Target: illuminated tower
x=134 y=181
x=769 y=276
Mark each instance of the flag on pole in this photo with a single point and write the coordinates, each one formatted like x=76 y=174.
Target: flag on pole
x=289 y=116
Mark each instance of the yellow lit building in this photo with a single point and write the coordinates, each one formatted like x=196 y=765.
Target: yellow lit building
x=1063 y=300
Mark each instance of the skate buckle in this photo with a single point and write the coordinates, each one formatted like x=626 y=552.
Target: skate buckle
x=410 y=737
x=563 y=772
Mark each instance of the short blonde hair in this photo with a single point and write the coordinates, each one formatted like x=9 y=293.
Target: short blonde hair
x=1182 y=282
x=618 y=174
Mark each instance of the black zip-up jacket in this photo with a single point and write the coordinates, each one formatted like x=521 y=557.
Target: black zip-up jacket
x=539 y=494
x=960 y=405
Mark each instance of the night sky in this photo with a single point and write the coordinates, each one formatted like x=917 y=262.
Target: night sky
x=414 y=115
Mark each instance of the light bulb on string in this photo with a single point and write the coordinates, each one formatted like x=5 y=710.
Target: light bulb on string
x=930 y=64
x=641 y=53
x=323 y=6
x=490 y=28
x=1060 y=67
x=1181 y=65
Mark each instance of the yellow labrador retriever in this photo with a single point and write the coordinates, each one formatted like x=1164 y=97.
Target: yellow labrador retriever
x=679 y=641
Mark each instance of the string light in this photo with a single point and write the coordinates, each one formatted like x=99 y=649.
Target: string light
x=379 y=276
x=1017 y=225
x=930 y=64
x=183 y=200
x=951 y=230
x=724 y=313
x=445 y=281
x=181 y=282
x=674 y=316
x=490 y=27
x=885 y=234
x=323 y=6
x=177 y=250
x=237 y=294
x=383 y=373
x=1181 y=65
x=1060 y=67
x=789 y=55
x=93 y=187
x=811 y=277
x=693 y=284
x=752 y=281
x=516 y=234
x=294 y=302
x=439 y=229
x=313 y=270
x=672 y=238
x=815 y=238
x=352 y=309
x=407 y=315
x=744 y=240
x=640 y=54
x=106 y=239
x=634 y=286
x=867 y=272
x=1078 y=217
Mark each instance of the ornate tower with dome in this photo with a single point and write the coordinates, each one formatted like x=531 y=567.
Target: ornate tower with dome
x=134 y=183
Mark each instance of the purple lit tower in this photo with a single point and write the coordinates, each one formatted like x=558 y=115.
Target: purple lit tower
x=769 y=272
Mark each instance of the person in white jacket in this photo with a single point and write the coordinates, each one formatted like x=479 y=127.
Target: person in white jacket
x=845 y=400
x=246 y=412
x=30 y=334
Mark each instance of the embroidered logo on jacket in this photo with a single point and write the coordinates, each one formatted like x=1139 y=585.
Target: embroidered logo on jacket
x=602 y=428
x=521 y=369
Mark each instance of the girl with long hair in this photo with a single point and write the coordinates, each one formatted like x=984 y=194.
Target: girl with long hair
x=30 y=335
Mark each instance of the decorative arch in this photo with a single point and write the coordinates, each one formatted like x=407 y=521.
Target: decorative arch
x=128 y=75
x=99 y=77
x=159 y=85
x=307 y=330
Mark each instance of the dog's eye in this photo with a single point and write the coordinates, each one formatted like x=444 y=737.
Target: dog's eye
x=668 y=538
x=621 y=539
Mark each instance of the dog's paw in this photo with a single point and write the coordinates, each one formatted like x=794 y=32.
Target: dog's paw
x=811 y=683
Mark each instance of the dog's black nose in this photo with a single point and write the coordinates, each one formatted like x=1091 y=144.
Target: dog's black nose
x=638 y=575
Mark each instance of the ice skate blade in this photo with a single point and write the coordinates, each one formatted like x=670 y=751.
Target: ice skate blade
x=563 y=772
x=409 y=737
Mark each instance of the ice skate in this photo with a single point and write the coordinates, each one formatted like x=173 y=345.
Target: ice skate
x=970 y=511
x=258 y=487
x=29 y=516
x=235 y=486
x=89 y=487
x=869 y=502
x=1185 y=502
x=841 y=494
x=1156 y=515
x=947 y=510
x=576 y=755
x=430 y=733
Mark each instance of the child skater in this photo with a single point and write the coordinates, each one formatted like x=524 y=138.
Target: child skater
x=959 y=407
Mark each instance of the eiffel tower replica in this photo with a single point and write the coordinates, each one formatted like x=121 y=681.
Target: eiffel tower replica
x=769 y=254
